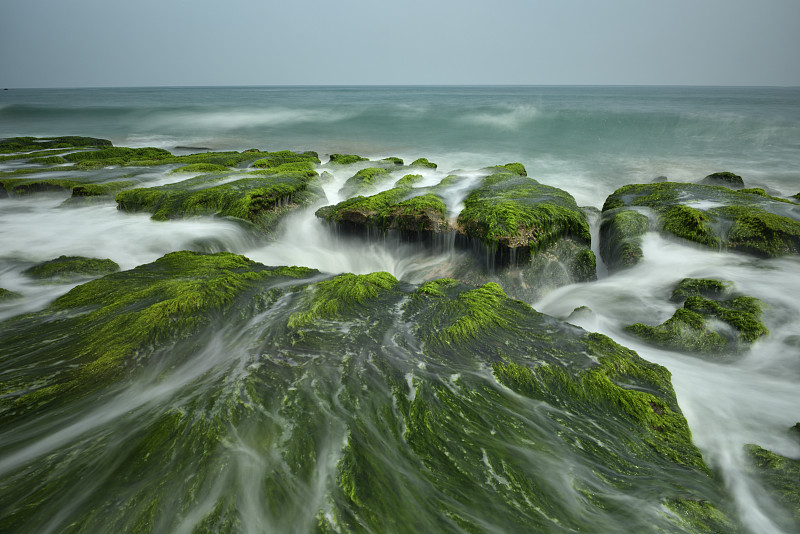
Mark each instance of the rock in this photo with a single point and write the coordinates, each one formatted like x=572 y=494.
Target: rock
x=423 y=162
x=7 y=294
x=621 y=232
x=716 y=217
x=365 y=182
x=707 y=324
x=66 y=268
x=780 y=476
x=261 y=197
x=724 y=179
x=346 y=159
x=369 y=379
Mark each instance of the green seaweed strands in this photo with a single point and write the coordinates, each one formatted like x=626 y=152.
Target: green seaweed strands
x=747 y=220
x=261 y=200
x=27 y=144
x=365 y=181
x=353 y=403
x=517 y=217
x=71 y=267
x=621 y=232
x=126 y=314
x=345 y=159
x=781 y=478
x=690 y=328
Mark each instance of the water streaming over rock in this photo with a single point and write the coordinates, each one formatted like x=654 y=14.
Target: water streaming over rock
x=247 y=426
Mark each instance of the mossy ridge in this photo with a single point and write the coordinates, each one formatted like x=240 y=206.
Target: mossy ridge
x=332 y=298
x=7 y=295
x=105 y=157
x=621 y=232
x=71 y=267
x=781 y=478
x=30 y=186
x=365 y=181
x=124 y=316
x=515 y=168
x=201 y=168
x=724 y=179
x=409 y=180
x=345 y=159
x=424 y=163
x=578 y=374
x=746 y=220
x=362 y=210
x=517 y=216
x=27 y=144
x=689 y=328
x=261 y=200
x=306 y=168
x=93 y=191
x=459 y=452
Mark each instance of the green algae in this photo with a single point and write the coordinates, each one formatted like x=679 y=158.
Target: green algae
x=201 y=168
x=423 y=213
x=346 y=159
x=709 y=288
x=511 y=212
x=48 y=160
x=261 y=200
x=126 y=313
x=725 y=179
x=7 y=295
x=746 y=220
x=27 y=144
x=365 y=181
x=71 y=267
x=332 y=298
x=621 y=232
x=423 y=162
x=516 y=168
x=361 y=209
x=31 y=186
x=409 y=180
x=103 y=190
x=393 y=160
x=105 y=157
x=690 y=329
x=397 y=409
x=781 y=478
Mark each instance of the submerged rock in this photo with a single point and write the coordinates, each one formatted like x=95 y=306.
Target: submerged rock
x=747 y=221
x=780 y=477
x=346 y=159
x=261 y=197
x=7 y=294
x=353 y=402
x=708 y=323
x=365 y=181
x=423 y=162
x=621 y=232
x=724 y=179
x=71 y=268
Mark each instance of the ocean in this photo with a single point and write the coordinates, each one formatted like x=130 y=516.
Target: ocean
x=588 y=141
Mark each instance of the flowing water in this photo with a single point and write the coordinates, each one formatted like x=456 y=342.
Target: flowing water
x=586 y=140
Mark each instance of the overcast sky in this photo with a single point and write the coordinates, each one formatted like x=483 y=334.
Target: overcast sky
x=90 y=43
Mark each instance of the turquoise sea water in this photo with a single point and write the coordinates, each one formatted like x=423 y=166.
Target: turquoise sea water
x=593 y=137
x=586 y=140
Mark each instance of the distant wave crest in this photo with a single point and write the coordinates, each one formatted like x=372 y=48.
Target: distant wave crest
x=506 y=118
x=241 y=118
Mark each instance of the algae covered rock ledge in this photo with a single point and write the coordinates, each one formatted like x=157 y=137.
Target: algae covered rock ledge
x=373 y=383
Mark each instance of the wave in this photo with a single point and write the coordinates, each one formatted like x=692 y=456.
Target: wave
x=251 y=118
x=513 y=118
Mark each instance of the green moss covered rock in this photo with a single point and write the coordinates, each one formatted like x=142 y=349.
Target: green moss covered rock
x=7 y=295
x=345 y=159
x=717 y=217
x=708 y=323
x=781 y=478
x=423 y=162
x=353 y=402
x=261 y=200
x=70 y=268
x=27 y=144
x=516 y=217
x=621 y=232
x=365 y=182
x=724 y=179
x=201 y=168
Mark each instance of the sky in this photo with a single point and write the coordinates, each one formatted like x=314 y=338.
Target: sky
x=115 y=43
